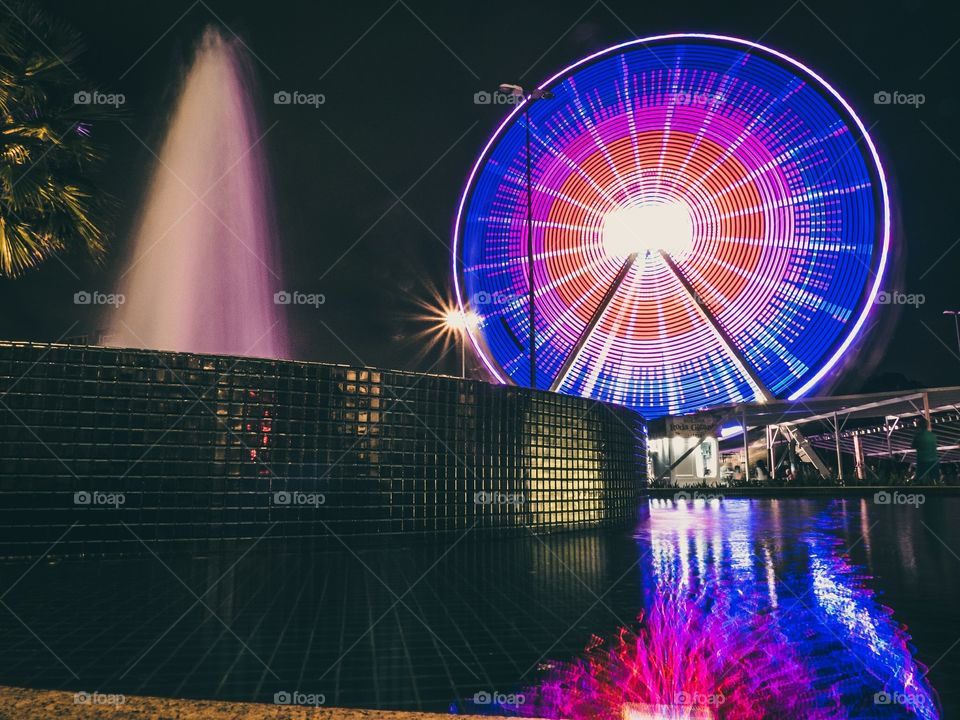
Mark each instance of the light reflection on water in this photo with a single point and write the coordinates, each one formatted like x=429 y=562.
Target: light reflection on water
x=797 y=583
x=787 y=561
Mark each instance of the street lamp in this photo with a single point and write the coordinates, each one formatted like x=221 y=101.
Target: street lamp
x=460 y=323
x=517 y=91
x=956 y=324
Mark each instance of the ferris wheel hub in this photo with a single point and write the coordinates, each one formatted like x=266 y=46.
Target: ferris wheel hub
x=648 y=228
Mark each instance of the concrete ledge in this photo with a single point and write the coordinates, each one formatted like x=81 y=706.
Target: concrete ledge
x=22 y=704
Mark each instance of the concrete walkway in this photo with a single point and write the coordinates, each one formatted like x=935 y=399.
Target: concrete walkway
x=24 y=704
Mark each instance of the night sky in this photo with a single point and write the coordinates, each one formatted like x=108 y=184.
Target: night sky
x=399 y=81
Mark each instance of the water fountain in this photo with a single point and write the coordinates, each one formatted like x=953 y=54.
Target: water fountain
x=202 y=275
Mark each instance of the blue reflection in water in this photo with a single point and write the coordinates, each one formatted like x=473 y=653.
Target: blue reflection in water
x=821 y=601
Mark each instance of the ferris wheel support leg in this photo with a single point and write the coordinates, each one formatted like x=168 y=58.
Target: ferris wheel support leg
x=761 y=391
x=597 y=314
x=809 y=450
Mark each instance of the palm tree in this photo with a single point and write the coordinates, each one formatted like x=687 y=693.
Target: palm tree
x=48 y=206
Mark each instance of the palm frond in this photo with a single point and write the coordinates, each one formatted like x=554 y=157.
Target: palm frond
x=47 y=203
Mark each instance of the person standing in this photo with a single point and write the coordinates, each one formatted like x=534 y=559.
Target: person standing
x=763 y=474
x=928 y=460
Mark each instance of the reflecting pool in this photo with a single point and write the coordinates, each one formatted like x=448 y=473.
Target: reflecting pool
x=746 y=608
x=751 y=611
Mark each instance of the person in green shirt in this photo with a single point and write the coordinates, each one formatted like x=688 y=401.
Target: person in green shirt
x=928 y=461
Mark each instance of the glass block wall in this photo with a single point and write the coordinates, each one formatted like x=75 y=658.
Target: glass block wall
x=108 y=449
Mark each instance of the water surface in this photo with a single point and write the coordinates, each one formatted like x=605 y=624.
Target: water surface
x=867 y=593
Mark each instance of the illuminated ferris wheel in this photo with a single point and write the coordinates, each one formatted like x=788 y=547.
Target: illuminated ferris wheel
x=710 y=224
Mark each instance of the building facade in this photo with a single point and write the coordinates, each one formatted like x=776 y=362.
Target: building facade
x=106 y=449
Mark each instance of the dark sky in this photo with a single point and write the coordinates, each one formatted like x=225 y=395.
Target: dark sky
x=399 y=81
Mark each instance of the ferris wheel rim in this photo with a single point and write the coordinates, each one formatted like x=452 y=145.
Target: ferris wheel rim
x=845 y=338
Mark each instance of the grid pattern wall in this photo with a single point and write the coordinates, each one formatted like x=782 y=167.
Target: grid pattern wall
x=106 y=447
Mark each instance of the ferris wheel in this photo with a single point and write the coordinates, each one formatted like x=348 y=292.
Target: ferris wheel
x=709 y=224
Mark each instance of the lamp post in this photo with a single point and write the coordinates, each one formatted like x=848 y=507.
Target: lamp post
x=956 y=324
x=537 y=94
x=460 y=322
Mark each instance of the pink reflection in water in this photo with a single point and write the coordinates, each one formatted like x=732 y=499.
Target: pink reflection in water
x=687 y=658
x=202 y=273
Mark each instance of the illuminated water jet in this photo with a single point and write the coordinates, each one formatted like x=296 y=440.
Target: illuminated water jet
x=202 y=273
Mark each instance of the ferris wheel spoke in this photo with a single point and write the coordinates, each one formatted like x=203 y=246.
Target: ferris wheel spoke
x=575 y=167
x=591 y=127
x=597 y=314
x=734 y=146
x=760 y=390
